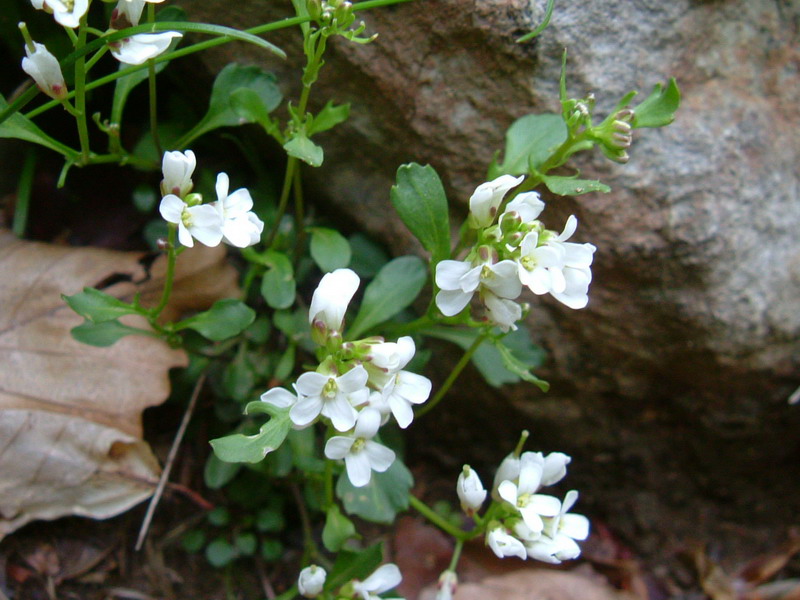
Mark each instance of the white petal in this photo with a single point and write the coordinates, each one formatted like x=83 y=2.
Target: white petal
x=184 y=237
x=306 y=410
x=221 y=186
x=358 y=469
x=339 y=411
x=380 y=457
x=355 y=379
x=402 y=411
x=504 y=280
x=412 y=387
x=449 y=272
x=452 y=302
x=311 y=383
x=569 y=228
x=279 y=397
x=555 y=468
x=530 y=472
x=574 y=526
x=368 y=423
x=330 y=299
x=508 y=491
x=532 y=518
x=338 y=447
x=384 y=578
x=547 y=506
x=171 y=208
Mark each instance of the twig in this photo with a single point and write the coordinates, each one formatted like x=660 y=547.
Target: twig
x=266 y=584
x=151 y=509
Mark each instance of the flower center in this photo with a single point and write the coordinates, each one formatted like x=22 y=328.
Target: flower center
x=358 y=445
x=529 y=262
x=522 y=500
x=69 y=4
x=330 y=388
x=186 y=218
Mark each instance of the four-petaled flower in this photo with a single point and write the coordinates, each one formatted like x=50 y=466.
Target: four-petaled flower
x=240 y=225
x=67 y=13
x=331 y=396
x=560 y=532
x=522 y=495
x=201 y=222
x=361 y=454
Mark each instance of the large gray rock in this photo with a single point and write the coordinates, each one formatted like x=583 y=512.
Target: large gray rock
x=690 y=340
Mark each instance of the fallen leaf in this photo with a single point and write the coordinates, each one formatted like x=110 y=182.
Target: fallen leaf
x=533 y=583
x=70 y=414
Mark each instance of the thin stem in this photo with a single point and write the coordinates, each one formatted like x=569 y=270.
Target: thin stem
x=97 y=56
x=291 y=164
x=80 y=94
x=170 y=275
x=24 y=188
x=456 y=555
x=452 y=377
x=173 y=452
x=436 y=518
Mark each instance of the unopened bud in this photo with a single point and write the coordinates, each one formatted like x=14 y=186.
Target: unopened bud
x=162 y=244
x=470 y=490
x=622 y=126
x=446 y=588
x=621 y=140
x=626 y=114
x=193 y=199
x=311 y=581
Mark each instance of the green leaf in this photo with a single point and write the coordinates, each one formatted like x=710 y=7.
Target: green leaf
x=419 y=198
x=329 y=249
x=354 y=565
x=250 y=106
x=220 y=552
x=193 y=540
x=21 y=128
x=219 y=517
x=278 y=285
x=382 y=498
x=487 y=358
x=269 y=520
x=572 y=186
x=221 y=111
x=303 y=148
x=104 y=334
x=658 y=109
x=338 y=529
x=330 y=116
x=394 y=288
x=97 y=307
x=225 y=319
x=246 y=543
x=519 y=367
x=368 y=257
x=253 y=448
x=529 y=142
x=217 y=473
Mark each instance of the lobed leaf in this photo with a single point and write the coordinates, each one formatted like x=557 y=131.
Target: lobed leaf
x=253 y=448
x=658 y=109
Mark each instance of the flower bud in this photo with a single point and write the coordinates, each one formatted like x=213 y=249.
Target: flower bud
x=446 y=588
x=193 y=199
x=177 y=168
x=470 y=491
x=330 y=300
x=311 y=581
x=486 y=199
x=43 y=67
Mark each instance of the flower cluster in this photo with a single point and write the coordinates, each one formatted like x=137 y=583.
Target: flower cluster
x=356 y=388
x=311 y=582
x=524 y=522
x=133 y=50
x=230 y=218
x=512 y=252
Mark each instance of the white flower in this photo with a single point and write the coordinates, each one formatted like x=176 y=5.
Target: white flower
x=522 y=495
x=333 y=397
x=240 y=226
x=279 y=397
x=527 y=205
x=361 y=455
x=577 y=260
x=487 y=197
x=555 y=468
x=383 y=579
x=330 y=299
x=177 y=168
x=459 y=280
x=448 y=582
x=141 y=47
x=311 y=581
x=558 y=542
x=470 y=490
x=402 y=388
x=45 y=70
x=502 y=312
x=200 y=222
x=504 y=544
x=540 y=267
x=67 y=12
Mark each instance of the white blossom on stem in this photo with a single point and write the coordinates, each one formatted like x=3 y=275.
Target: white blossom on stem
x=501 y=311
x=177 y=168
x=522 y=495
x=504 y=544
x=240 y=225
x=446 y=588
x=43 y=67
x=384 y=578
x=360 y=453
x=200 y=222
x=558 y=543
x=487 y=197
x=470 y=491
x=459 y=280
x=311 y=581
x=330 y=299
x=527 y=205
x=67 y=13
x=331 y=396
x=131 y=9
x=577 y=274
x=139 y=48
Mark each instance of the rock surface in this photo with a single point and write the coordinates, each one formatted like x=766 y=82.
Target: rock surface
x=673 y=381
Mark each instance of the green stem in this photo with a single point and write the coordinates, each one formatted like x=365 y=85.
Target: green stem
x=452 y=377
x=97 y=56
x=151 y=80
x=170 y=275
x=456 y=555
x=24 y=192
x=436 y=519
x=288 y=177
x=80 y=94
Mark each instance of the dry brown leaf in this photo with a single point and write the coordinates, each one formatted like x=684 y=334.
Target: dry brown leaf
x=70 y=414
x=534 y=584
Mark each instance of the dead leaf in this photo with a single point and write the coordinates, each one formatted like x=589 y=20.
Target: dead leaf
x=70 y=414
x=534 y=584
